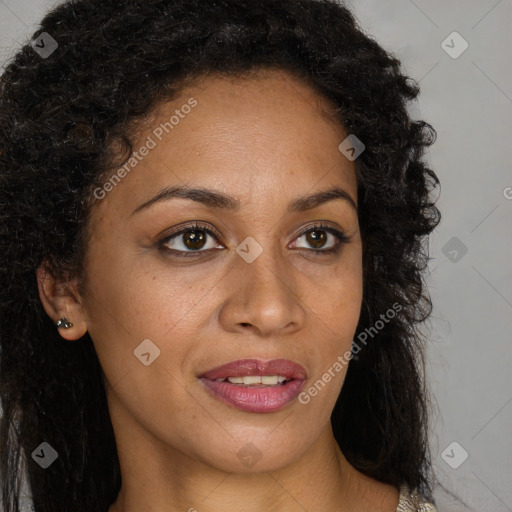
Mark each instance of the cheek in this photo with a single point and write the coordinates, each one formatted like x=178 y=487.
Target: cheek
x=335 y=307
x=142 y=296
x=336 y=297
x=144 y=329
x=132 y=301
x=127 y=304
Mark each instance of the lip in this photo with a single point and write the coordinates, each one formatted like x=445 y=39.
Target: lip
x=259 y=398
x=242 y=367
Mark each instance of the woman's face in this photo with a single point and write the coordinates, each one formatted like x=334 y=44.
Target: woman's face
x=164 y=311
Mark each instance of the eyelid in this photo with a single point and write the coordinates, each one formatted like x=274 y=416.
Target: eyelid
x=184 y=228
x=190 y=226
x=209 y=229
x=340 y=234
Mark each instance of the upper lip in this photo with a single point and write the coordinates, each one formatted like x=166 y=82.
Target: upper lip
x=243 y=367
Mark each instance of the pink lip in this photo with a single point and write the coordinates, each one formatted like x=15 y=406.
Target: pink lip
x=260 y=398
x=242 y=367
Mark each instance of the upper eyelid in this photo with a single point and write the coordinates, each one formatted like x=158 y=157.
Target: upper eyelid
x=338 y=232
x=189 y=227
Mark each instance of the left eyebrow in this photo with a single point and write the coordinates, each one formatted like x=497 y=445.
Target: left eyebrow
x=214 y=199
x=301 y=204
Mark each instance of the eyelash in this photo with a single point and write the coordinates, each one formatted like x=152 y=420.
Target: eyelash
x=196 y=226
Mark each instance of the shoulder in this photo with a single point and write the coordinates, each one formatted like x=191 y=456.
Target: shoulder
x=410 y=500
x=371 y=494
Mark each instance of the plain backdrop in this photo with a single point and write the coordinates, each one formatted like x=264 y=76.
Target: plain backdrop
x=460 y=53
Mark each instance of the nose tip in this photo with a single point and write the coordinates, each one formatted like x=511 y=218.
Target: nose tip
x=262 y=298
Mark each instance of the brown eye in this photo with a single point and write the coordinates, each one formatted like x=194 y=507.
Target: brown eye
x=194 y=239
x=316 y=238
x=190 y=239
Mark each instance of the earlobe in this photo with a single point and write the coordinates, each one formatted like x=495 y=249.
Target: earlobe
x=61 y=302
x=64 y=323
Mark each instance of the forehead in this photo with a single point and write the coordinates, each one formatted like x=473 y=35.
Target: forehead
x=266 y=131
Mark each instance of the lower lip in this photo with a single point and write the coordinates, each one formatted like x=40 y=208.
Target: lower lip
x=257 y=398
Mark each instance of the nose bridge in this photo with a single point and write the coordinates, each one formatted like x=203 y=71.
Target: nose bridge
x=262 y=292
x=262 y=269
x=265 y=270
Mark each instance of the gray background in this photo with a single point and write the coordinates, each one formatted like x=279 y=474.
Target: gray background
x=468 y=100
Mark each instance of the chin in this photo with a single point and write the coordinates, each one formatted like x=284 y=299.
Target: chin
x=255 y=454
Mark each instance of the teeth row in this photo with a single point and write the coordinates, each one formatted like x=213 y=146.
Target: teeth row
x=255 y=379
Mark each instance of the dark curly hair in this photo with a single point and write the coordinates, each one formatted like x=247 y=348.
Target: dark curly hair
x=61 y=116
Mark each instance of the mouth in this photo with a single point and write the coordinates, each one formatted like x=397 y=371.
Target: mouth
x=254 y=385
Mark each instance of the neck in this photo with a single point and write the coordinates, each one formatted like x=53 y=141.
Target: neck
x=159 y=477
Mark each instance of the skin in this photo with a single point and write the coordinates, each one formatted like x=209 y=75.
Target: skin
x=263 y=140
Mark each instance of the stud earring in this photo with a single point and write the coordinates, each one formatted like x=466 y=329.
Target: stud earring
x=64 y=323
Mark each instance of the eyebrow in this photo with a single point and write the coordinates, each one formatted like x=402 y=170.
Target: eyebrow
x=218 y=200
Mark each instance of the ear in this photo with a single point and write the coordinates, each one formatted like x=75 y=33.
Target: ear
x=61 y=299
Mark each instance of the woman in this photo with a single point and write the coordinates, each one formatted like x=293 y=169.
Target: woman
x=213 y=227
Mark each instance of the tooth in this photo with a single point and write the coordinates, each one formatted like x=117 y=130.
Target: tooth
x=269 y=379
x=252 y=379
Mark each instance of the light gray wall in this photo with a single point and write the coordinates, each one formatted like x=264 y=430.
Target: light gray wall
x=468 y=100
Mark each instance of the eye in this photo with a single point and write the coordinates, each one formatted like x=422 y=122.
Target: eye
x=320 y=235
x=193 y=239
x=190 y=239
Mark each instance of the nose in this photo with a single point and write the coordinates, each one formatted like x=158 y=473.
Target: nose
x=264 y=297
